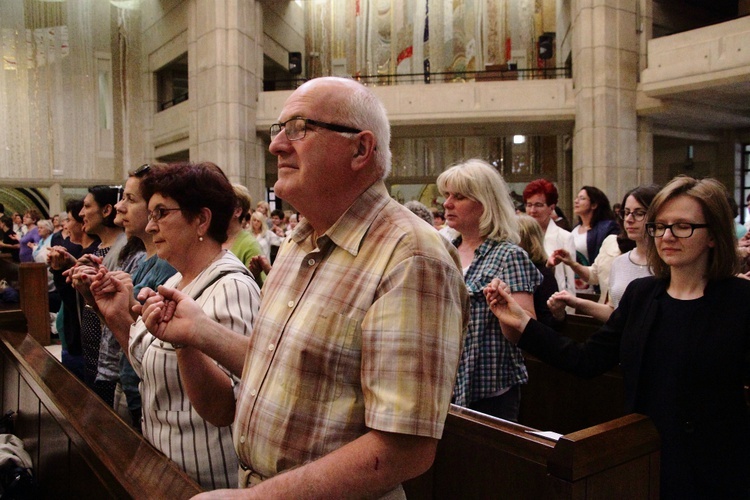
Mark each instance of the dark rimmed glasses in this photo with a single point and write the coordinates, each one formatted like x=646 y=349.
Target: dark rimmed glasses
x=678 y=229
x=638 y=215
x=295 y=128
x=158 y=213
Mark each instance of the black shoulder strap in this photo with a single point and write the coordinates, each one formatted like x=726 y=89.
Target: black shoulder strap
x=215 y=279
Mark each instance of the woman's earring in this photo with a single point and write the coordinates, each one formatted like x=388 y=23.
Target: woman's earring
x=200 y=238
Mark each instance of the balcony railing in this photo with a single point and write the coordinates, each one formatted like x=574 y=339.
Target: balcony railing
x=501 y=73
x=177 y=100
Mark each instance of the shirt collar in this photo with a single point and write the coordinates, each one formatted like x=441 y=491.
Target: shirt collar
x=350 y=229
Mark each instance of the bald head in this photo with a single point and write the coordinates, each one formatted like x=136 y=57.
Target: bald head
x=354 y=105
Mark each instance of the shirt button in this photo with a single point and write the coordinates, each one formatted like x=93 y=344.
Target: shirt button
x=290 y=303
x=311 y=262
x=270 y=347
x=253 y=392
x=242 y=439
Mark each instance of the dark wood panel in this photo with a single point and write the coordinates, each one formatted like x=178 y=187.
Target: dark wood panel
x=53 y=466
x=557 y=401
x=482 y=457
x=27 y=420
x=35 y=300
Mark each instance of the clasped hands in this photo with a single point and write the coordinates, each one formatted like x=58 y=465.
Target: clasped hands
x=559 y=256
x=167 y=313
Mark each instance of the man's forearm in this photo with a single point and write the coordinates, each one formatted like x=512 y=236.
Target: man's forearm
x=368 y=467
x=220 y=343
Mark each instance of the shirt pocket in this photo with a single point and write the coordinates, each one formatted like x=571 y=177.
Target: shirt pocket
x=325 y=355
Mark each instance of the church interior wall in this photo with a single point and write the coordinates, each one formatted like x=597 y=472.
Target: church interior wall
x=545 y=109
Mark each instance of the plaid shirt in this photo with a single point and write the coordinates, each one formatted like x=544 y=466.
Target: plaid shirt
x=359 y=330
x=490 y=363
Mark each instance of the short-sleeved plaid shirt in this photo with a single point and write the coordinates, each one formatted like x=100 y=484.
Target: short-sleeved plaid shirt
x=361 y=329
x=490 y=363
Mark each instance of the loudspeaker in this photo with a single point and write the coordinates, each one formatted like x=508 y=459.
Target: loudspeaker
x=546 y=46
x=295 y=63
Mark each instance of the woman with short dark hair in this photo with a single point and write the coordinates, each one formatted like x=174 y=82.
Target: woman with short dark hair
x=189 y=209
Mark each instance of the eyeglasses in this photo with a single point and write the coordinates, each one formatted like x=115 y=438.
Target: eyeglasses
x=638 y=215
x=678 y=229
x=536 y=205
x=158 y=213
x=140 y=171
x=295 y=128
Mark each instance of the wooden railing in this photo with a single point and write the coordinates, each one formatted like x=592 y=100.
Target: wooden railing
x=80 y=448
x=483 y=457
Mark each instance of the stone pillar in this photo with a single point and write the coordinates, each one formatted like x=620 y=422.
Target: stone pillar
x=644 y=30
x=225 y=59
x=56 y=203
x=605 y=50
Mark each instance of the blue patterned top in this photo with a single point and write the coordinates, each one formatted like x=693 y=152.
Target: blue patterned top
x=490 y=363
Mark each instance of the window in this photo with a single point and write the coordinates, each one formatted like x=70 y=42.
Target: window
x=172 y=83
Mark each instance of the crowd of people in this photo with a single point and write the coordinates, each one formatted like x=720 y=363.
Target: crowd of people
x=318 y=355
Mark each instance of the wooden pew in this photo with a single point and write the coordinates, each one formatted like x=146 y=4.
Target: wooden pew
x=11 y=314
x=33 y=290
x=80 y=448
x=557 y=401
x=32 y=313
x=484 y=457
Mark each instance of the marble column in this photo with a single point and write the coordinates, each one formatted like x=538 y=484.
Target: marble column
x=56 y=202
x=605 y=50
x=225 y=57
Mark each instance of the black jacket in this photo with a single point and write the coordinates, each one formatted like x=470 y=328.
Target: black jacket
x=714 y=434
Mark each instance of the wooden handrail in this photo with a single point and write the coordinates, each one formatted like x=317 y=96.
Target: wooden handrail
x=485 y=457
x=77 y=443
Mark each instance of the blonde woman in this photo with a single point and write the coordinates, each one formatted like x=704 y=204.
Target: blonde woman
x=532 y=240
x=265 y=236
x=478 y=205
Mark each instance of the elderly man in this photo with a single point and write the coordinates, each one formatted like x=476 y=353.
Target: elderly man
x=540 y=197
x=351 y=364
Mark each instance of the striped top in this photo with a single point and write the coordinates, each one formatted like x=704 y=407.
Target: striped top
x=170 y=422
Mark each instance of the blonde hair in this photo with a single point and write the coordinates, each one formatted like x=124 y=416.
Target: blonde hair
x=532 y=238
x=260 y=218
x=265 y=206
x=244 y=201
x=479 y=181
